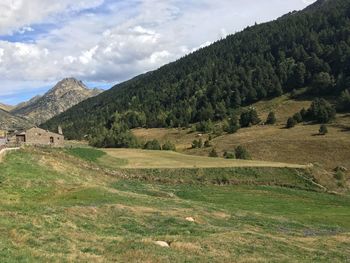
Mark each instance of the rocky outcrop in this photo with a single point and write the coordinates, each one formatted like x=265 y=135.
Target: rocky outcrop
x=60 y=98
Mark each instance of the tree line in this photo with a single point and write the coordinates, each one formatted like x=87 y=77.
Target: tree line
x=305 y=50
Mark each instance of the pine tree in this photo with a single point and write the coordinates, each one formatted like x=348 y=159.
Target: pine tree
x=323 y=129
x=291 y=123
x=232 y=125
x=297 y=117
x=271 y=118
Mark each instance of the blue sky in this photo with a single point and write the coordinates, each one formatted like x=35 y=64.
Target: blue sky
x=104 y=42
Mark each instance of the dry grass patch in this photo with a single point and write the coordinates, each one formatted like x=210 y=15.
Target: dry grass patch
x=142 y=159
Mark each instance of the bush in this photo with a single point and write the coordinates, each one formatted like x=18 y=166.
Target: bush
x=230 y=155
x=207 y=144
x=271 y=118
x=339 y=175
x=291 y=123
x=343 y=103
x=298 y=117
x=232 y=125
x=218 y=131
x=323 y=130
x=249 y=118
x=242 y=153
x=213 y=153
x=152 y=145
x=168 y=146
x=321 y=111
x=205 y=126
x=303 y=114
x=197 y=144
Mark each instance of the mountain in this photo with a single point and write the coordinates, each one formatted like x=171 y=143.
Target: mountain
x=6 y=107
x=26 y=103
x=61 y=97
x=308 y=50
x=11 y=122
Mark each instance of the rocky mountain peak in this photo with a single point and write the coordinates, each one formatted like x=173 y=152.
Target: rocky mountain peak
x=64 y=95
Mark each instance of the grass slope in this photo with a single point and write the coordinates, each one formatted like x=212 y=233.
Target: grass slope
x=136 y=158
x=272 y=143
x=57 y=207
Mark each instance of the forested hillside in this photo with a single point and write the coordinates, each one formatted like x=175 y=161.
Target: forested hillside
x=308 y=49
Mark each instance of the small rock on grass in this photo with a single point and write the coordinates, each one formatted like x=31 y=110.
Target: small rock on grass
x=190 y=219
x=162 y=243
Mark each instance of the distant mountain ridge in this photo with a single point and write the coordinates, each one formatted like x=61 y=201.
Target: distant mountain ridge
x=6 y=107
x=12 y=122
x=65 y=94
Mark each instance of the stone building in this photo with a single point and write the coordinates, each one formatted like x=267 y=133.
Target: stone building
x=37 y=136
x=3 y=138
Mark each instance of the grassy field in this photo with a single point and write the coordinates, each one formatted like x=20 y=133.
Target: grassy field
x=299 y=145
x=135 y=158
x=62 y=206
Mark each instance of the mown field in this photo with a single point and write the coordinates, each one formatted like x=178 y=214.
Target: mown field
x=64 y=206
x=135 y=158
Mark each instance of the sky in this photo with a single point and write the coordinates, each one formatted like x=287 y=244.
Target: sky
x=105 y=42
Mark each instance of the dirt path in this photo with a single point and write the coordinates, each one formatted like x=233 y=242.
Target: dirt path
x=6 y=150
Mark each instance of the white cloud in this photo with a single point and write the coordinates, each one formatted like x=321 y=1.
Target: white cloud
x=16 y=14
x=123 y=39
x=25 y=29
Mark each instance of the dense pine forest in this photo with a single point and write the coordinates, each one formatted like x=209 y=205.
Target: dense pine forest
x=307 y=50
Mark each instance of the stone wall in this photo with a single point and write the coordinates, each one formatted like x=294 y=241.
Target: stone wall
x=37 y=136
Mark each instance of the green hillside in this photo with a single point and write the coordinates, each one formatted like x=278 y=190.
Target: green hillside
x=62 y=205
x=308 y=49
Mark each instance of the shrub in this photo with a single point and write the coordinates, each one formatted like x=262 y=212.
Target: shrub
x=205 y=126
x=152 y=145
x=249 y=118
x=303 y=113
x=168 y=146
x=231 y=125
x=207 y=144
x=343 y=103
x=242 y=153
x=321 y=111
x=213 y=153
x=230 y=155
x=323 y=130
x=298 y=117
x=271 y=118
x=197 y=144
x=218 y=131
x=291 y=123
x=339 y=175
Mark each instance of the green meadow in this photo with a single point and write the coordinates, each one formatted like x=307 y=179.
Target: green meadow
x=68 y=206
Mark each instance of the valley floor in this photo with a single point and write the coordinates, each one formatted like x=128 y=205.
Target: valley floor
x=65 y=206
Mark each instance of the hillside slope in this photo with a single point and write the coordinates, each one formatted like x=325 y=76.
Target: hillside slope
x=9 y=121
x=56 y=207
x=302 y=49
x=5 y=107
x=302 y=144
x=61 y=97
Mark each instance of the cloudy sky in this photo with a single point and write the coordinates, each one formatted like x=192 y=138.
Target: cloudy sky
x=104 y=42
